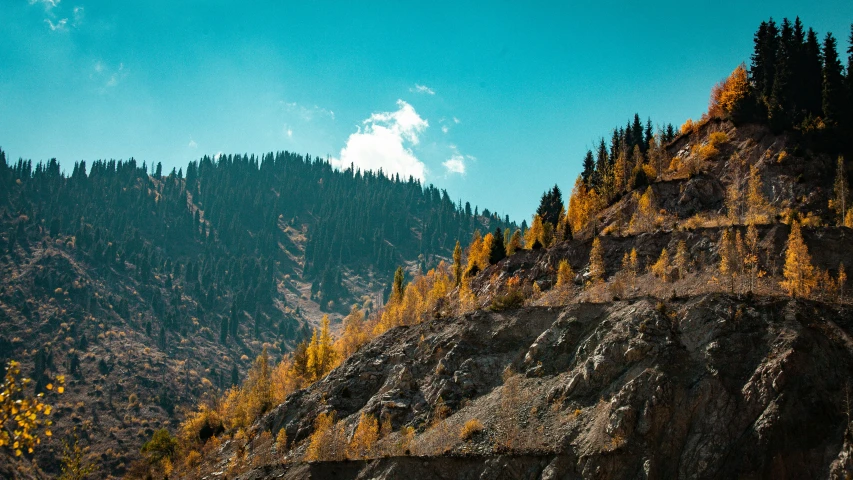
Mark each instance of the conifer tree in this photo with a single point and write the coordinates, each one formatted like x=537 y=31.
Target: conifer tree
x=588 y=168
x=497 y=249
x=457 y=264
x=798 y=270
x=811 y=75
x=397 y=287
x=833 y=82
x=841 y=192
x=596 y=263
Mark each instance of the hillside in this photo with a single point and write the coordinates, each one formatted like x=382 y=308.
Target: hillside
x=151 y=291
x=685 y=316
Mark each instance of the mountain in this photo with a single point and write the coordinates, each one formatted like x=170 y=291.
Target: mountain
x=686 y=316
x=151 y=291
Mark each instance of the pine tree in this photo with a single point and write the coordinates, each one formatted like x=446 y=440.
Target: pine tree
x=811 y=75
x=497 y=249
x=833 y=82
x=596 y=263
x=457 y=264
x=397 y=287
x=798 y=270
x=588 y=168
x=841 y=192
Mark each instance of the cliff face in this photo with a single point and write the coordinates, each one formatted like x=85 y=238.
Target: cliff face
x=710 y=387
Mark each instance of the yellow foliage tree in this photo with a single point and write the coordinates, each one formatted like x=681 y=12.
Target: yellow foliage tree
x=515 y=243
x=363 y=442
x=23 y=417
x=661 y=267
x=328 y=441
x=735 y=91
x=534 y=235
x=757 y=207
x=565 y=275
x=596 y=263
x=478 y=252
x=354 y=334
x=798 y=270
x=281 y=441
x=645 y=217
x=583 y=205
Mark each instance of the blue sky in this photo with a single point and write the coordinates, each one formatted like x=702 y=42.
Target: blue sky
x=494 y=101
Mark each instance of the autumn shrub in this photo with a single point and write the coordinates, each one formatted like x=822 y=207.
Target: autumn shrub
x=471 y=428
x=718 y=138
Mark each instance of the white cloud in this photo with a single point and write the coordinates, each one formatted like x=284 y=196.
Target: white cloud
x=287 y=131
x=307 y=113
x=192 y=144
x=385 y=144
x=422 y=89
x=107 y=76
x=59 y=25
x=456 y=120
x=48 y=4
x=445 y=128
x=455 y=164
x=78 y=16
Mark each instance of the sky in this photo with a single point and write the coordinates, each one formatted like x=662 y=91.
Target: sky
x=494 y=101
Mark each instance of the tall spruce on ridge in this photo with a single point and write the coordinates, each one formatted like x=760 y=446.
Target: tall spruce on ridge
x=551 y=206
x=497 y=249
x=833 y=82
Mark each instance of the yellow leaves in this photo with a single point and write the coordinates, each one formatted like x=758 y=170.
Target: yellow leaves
x=60 y=389
x=20 y=420
x=596 y=262
x=583 y=205
x=798 y=271
x=735 y=90
x=363 y=443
